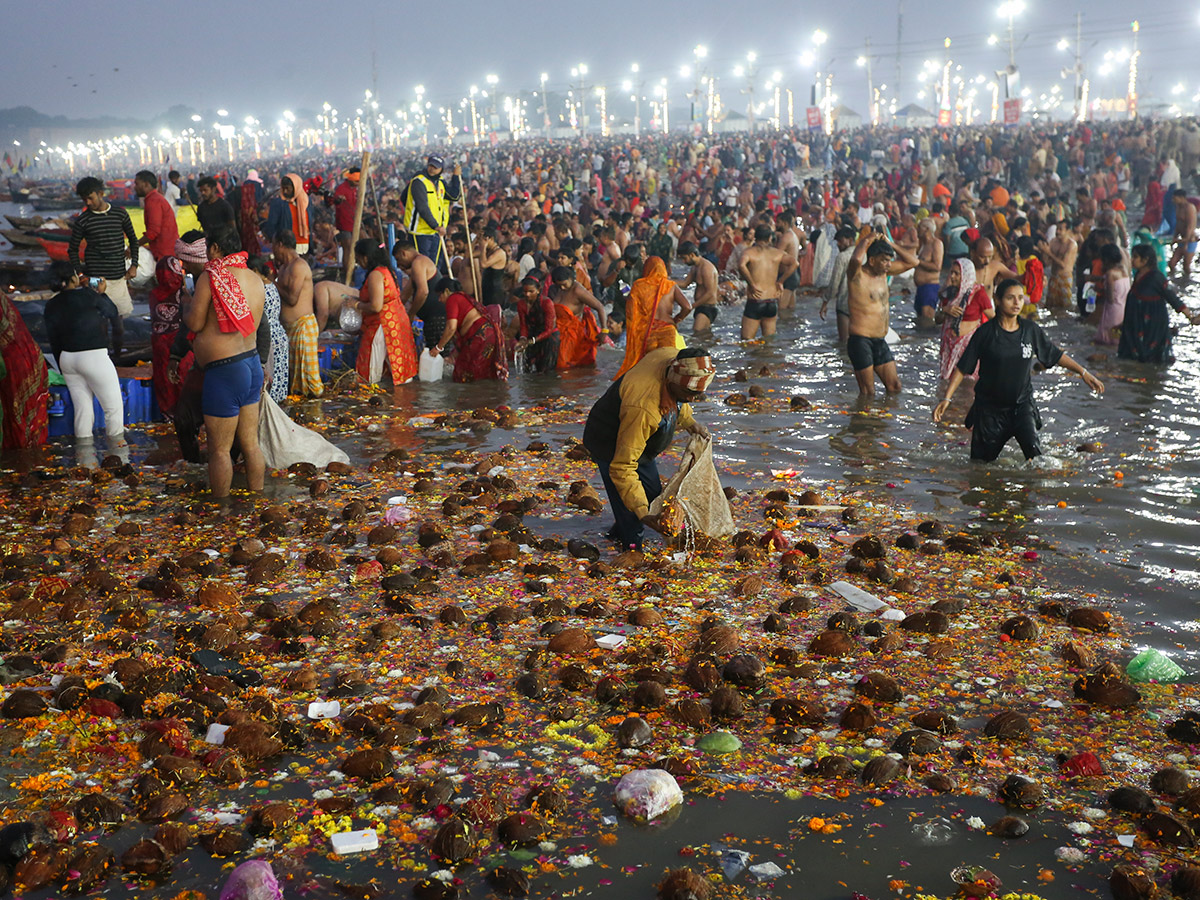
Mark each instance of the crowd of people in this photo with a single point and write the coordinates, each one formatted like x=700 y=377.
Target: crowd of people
x=526 y=258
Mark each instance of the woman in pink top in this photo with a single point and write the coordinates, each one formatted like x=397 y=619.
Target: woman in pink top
x=1116 y=289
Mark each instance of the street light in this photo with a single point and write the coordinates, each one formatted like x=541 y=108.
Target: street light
x=1011 y=9
x=639 y=85
x=700 y=52
x=492 y=81
x=808 y=58
x=545 y=105
x=581 y=118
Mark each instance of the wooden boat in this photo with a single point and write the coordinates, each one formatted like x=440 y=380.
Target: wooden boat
x=55 y=203
x=57 y=250
x=19 y=238
x=25 y=222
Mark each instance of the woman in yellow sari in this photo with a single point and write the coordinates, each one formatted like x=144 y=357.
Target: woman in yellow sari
x=649 y=324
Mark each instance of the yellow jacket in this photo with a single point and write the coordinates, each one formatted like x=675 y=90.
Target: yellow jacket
x=641 y=413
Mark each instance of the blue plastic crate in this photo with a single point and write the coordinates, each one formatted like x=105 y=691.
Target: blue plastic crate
x=336 y=356
x=137 y=395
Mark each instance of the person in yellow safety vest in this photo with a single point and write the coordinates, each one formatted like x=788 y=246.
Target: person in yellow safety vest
x=427 y=209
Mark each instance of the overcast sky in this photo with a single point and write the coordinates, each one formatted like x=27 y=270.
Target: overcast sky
x=136 y=58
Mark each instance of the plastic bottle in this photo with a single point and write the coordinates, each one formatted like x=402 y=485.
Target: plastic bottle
x=1089 y=298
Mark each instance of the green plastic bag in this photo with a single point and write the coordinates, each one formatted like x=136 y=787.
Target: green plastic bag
x=1150 y=665
x=57 y=380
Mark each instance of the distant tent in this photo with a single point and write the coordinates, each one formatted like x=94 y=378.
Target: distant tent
x=913 y=116
x=846 y=119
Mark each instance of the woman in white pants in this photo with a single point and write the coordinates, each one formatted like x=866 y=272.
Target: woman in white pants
x=77 y=324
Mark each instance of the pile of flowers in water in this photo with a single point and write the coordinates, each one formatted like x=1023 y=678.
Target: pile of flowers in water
x=408 y=670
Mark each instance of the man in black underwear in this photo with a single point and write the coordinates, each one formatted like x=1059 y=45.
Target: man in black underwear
x=703 y=274
x=873 y=262
x=765 y=268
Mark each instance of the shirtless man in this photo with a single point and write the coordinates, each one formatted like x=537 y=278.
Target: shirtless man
x=610 y=253
x=420 y=271
x=233 y=373
x=763 y=267
x=1185 y=233
x=873 y=261
x=1060 y=253
x=703 y=274
x=787 y=241
x=295 y=283
x=988 y=269
x=928 y=272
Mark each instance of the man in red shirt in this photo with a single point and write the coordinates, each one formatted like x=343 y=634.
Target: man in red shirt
x=162 y=231
x=345 y=203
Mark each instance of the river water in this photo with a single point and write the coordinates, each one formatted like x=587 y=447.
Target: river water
x=1134 y=534
x=1129 y=537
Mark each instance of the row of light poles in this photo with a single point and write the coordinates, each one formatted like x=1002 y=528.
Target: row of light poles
x=370 y=126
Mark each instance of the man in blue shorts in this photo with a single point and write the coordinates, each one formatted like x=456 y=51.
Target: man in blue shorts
x=873 y=262
x=224 y=315
x=928 y=273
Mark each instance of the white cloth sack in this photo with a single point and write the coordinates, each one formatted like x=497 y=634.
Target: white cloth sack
x=145 y=271
x=698 y=491
x=284 y=442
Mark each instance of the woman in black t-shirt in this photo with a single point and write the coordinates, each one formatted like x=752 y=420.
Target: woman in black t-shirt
x=78 y=320
x=1005 y=350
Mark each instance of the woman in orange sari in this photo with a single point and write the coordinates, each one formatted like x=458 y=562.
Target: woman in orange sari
x=387 y=335
x=645 y=327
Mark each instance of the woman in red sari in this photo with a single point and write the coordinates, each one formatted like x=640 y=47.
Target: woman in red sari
x=248 y=212
x=387 y=335
x=165 y=319
x=25 y=384
x=476 y=336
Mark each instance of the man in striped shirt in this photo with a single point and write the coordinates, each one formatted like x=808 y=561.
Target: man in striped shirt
x=106 y=228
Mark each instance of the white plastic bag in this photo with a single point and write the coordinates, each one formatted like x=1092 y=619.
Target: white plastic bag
x=145 y=270
x=284 y=442
x=349 y=318
x=698 y=491
x=430 y=367
x=647 y=793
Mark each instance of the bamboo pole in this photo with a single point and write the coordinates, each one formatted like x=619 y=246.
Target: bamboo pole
x=378 y=216
x=467 y=228
x=358 y=213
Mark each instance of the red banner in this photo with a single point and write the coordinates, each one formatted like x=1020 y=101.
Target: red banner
x=814 y=117
x=1012 y=111
x=943 y=117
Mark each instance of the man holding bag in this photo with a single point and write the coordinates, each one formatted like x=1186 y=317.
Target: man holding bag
x=633 y=423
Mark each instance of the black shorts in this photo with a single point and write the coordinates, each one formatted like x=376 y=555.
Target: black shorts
x=993 y=426
x=710 y=311
x=792 y=282
x=761 y=309
x=867 y=353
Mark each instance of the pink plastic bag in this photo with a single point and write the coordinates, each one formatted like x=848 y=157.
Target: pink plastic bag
x=254 y=880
